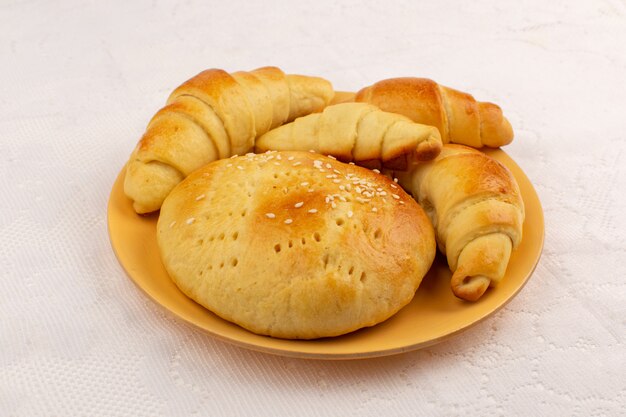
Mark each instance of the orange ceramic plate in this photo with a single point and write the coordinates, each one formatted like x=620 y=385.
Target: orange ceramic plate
x=435 y=314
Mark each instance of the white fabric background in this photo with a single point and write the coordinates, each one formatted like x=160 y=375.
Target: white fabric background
x=80 y=80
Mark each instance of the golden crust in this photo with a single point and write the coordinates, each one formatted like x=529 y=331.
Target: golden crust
x=475 y=205
x=295 y=244
x=458 y=116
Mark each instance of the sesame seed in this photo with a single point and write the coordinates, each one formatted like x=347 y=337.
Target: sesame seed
x=270 y=157
x=288 y=221
x=229 y=165
x=336 y=171
x=310 y=190
x=358 y=189
x=376 y=171
x=313 y=211
x=348 y=187
x=393 y=186
x=234 y=156
x=200 y=197
x=333 y=205
x=317 y=163
x=327 y=199
x=312 y=150
x=374 y=209
x=298 y=205
x=270 y=215
x=172 y=224
x=401 y=202
x=276 y=163
x=249 y=154
x=349 y=214
x=239 y=167
x=342 y=198
x=350 y=163
x=304 y=184
x=295 y=164
x=336 y=181
x=291 y=158
x=395 y=180
x=190 y=220
x=329 y=166
x=383 y=193
x=278 y=157
x=396 y=196
x=330 y=176
x=342 y=187
x=332 y=157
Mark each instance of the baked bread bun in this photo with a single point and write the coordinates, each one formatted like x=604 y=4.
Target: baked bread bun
x=295 y=244
x=458 y=116
x=211 y=116
x=357 y=132
x=476 y=207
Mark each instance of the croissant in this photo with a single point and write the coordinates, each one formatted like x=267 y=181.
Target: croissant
x=215 y=115
x=475 y=205
x=458 y=116
x=357 y=132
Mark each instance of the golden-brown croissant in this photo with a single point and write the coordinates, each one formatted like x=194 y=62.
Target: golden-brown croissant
x=475 y=205
x=458 y=116
x=215 y=115
x=357 y=132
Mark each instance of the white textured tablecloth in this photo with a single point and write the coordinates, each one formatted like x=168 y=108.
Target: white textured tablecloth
x=80 y=80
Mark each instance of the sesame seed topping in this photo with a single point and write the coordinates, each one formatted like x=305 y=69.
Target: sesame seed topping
x=229 y=165
x=342 y=187
x=332 y=157
x=329 y=166
x=298 y=205
x=327 y=199
x=395 y=180
x=190 y=220
x=270 y=215
x=349 y=214
x=396 y=196
x=310 y=190
x=312 y=150
x=278 y=157
x=342 y=198
x=393 y=186
x=383 y=193
x=172 y=224
x=304 y=184
x=374 y=209
x=317 y=163
x=234 y=156
x=239 y=167
x=295 y=164
x=291 y=158
x=276 y=163
x=200 y=197
x=333 y=205
x=250 y=154
x=350 y=163
x=313 y=211
x=401 y=202
x=336 y=181
x=376 y=171
x=336 y=171
x=288 y=221
x=330 y=176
